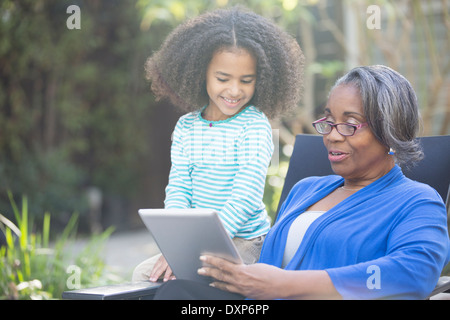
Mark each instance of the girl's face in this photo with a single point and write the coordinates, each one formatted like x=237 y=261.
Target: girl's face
x=361 y=157
x=230 y=83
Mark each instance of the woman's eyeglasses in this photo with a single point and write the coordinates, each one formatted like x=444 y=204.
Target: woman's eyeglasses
x=346 y=129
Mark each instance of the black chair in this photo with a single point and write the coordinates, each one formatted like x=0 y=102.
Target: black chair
x=309 y=158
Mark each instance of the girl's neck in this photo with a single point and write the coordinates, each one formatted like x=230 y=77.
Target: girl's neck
x=211 y=114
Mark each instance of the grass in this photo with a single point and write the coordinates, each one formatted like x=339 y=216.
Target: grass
x=31 y=267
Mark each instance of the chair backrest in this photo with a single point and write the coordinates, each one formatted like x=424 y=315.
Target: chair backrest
x=309 y=158
x=434 y=169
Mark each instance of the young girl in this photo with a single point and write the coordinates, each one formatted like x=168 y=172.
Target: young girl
x=230 y=69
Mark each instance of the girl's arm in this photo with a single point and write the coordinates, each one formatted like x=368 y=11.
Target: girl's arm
x=179 y=188
x=253 y=154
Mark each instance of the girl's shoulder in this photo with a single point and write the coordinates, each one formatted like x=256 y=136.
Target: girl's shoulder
x=255 y=112
x=252 y=121
x=187 y=119
x=253 y=115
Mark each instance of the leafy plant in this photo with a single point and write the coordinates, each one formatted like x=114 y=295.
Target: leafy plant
x=446 y=270
x=32 y=268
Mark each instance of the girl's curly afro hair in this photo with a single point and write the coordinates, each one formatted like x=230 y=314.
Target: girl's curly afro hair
x=178 y=70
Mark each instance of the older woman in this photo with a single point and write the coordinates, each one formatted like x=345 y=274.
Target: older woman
x=367 y=232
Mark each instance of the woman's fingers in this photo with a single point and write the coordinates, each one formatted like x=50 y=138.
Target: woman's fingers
x=217 y=268
x=218 y=263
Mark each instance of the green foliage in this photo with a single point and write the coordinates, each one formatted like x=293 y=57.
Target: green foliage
x=30 y=268
x=287 y=12
x=73 y=103
x=273 y=187
x=446 y=270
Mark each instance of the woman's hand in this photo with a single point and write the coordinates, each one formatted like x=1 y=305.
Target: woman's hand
x=255 y=281
x=161 y=266
x=262 y=281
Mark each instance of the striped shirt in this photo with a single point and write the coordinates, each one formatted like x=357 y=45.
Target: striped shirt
x=222 y=165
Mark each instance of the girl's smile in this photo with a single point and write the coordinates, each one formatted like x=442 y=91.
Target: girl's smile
x=230 y=83
x=231 y=102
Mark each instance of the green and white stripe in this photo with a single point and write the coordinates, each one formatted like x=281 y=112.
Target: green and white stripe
x=222 y=165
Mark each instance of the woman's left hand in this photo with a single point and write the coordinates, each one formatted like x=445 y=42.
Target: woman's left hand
x=255 y=281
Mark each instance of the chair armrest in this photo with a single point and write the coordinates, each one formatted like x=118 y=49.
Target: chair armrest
x=144 y=290
x=442 y=286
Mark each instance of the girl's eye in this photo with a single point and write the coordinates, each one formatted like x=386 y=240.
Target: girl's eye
x=246 y=81
x=222 y=80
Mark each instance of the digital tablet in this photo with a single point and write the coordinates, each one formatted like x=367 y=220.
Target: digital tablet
x=183 y=235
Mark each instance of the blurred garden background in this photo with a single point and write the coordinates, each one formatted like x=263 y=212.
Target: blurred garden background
x=84 y=144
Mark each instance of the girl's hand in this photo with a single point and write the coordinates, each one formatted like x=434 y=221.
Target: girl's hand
x=161 y=266
x=255 y=281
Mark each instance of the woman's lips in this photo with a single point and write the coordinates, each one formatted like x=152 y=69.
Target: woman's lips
x=336 y=155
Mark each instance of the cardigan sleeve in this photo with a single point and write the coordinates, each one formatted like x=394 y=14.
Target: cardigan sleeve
x=417 y=250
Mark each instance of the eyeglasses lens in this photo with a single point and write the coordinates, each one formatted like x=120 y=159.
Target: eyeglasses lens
x=345 y=130
x=324 y=127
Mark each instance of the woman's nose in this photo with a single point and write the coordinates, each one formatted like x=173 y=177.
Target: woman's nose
x=334 y=135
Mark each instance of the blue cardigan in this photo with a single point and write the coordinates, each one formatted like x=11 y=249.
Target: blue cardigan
x=389 y=240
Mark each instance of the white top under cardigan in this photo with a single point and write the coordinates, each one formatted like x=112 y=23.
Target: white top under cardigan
x=296 y=233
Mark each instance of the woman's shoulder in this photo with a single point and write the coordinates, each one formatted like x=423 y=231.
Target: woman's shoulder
x=418 y=190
